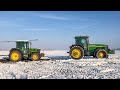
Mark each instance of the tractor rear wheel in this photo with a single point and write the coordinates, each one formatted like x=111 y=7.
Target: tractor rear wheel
x=76 y=52
x=15 y=55
x=35 y=57
x=101 y=53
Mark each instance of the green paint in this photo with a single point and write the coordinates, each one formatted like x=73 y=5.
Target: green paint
x=91 y=48
x=25 y=47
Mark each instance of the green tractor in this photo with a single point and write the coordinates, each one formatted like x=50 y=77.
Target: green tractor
x=83 y=48
x=23 y=50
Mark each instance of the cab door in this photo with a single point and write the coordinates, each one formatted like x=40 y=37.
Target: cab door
x=26 y=48
x=85 y=44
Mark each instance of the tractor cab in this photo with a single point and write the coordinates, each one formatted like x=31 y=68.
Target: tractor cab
x=82 y=41
x=23 y=45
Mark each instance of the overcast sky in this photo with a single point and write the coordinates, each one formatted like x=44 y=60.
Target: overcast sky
x=57 y=29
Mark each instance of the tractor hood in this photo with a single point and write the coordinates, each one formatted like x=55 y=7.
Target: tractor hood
x=103 y=45
x=98 y=45
x=34 y=50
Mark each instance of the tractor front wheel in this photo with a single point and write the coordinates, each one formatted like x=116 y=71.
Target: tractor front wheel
x=15 y=55
x=35 y=57
x=76 y=52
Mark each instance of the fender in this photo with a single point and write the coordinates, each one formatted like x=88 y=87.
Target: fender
x=17 y=50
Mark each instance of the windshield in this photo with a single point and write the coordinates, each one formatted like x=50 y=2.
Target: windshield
x=22 y=45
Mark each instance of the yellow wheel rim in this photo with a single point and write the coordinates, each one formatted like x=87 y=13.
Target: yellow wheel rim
x=101 y=55
x=76 y=53
x=35 y=57
x=15 y=56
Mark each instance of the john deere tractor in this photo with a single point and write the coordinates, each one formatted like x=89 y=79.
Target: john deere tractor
x=23 y=50
x=82 y=48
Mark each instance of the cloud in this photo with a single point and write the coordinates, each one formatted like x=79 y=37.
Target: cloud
x=35 y=29
x=50 y=16
x=9 y=24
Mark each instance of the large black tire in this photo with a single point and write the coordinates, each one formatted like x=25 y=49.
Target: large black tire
x=76 y=52
x=101 y=53
x=15 y=55
x=35 y=57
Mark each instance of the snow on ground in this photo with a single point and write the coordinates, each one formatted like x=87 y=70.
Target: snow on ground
x=55 y=52
x=63 y=69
